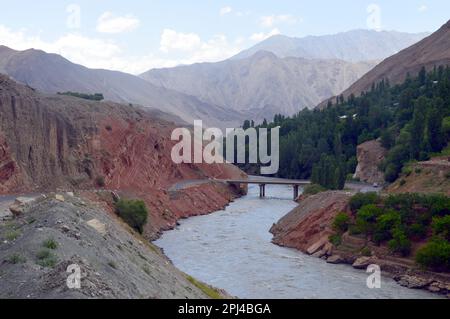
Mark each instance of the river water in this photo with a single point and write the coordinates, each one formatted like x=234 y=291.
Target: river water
x=232 y=250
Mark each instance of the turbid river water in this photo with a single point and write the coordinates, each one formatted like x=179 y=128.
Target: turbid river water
x=232 y=250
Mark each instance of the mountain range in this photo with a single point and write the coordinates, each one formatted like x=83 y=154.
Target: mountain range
x=51 y=73
x=352 y=46
x=263 y=84
x=223 y=94
x=432 y=51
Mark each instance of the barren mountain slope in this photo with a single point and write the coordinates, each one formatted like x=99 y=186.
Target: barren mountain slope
x=52 y=73
x=263 y=83
x=429 y=52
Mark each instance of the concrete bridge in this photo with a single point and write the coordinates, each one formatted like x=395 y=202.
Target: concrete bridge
x=263 y=181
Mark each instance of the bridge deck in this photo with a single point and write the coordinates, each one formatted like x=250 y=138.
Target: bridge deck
x=263 y=181
x=267 y=181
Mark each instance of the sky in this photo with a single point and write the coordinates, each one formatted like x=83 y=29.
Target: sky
x=134 y=36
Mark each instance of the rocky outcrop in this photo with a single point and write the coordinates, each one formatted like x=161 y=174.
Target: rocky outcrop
x=53 y=235
x=50 y=142
x=370 y=155
x=308 y=226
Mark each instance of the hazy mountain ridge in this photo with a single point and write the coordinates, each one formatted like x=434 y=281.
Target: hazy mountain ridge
x=355 y=45
x=430 y=52
x=263 y=83
x=51 y=73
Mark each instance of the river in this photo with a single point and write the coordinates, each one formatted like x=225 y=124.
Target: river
x=232 y=250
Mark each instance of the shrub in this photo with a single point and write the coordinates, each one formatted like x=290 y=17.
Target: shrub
x=361 y=199
x=313 y=189
x=435 y=255
x=439 y=204
x=100 y=181
x=385 y=224
x=366 y=252
x=340 y=223
x=12 y=235
x=50 y=244
x=400 y=243
x=402 y=182
x=16 y=259
x=366 y=218
x=46 y=258
x=335 y=239
x=133 y=212
x=441 y=226
x=407 y=170
x=417 y=230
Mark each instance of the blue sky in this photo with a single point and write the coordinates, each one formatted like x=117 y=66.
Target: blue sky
x=134 y=36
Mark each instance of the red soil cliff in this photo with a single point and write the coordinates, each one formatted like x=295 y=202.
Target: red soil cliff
x=49 y=142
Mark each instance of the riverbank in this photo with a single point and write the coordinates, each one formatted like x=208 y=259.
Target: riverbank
x=308 y=228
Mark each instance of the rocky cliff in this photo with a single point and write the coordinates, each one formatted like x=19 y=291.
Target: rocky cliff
x=370 y=155
x=49 y=141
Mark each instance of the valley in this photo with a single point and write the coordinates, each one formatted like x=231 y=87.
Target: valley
x=332 y=180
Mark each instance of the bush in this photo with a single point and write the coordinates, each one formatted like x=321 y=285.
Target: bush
x=100 y=181
x=50 y=244
x=435 y=255
x=385 y=225
x=441 y=227
x=340 y=223
x=400 y=243
x=407 y=170
x=366 y=252
x=46 y=258
x=313 y=189
x=133 y=212
x=366 y=218
x=439 y=204
x=417 y=230
x=335 y=239
x=16 y=259
x=361 y=199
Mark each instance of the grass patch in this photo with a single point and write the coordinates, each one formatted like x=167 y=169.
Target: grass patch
x=46 y=258
x=50 y=243
x=12 y=235
x=207 y=290
x=16 y=259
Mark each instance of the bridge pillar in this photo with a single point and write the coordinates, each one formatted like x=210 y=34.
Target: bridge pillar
x=262 y=190
x=295 y=191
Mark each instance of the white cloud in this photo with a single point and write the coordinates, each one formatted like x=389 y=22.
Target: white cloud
x=110 y=23
x=270 y=21
x=263 y=36
x=182 y=48
x=173 y=40
x=215 y=49
x=423 y=8
x=225 y=10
